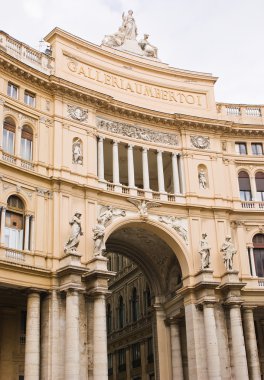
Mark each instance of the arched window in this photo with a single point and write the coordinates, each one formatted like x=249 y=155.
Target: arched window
x=108 y=318
x=244 y=186
x=259 y=178
x=134 y=305
x=26 y=143
x=121 y=312
x=14 y=223
x=9 y=131
x=147 y=299
x=258 y=249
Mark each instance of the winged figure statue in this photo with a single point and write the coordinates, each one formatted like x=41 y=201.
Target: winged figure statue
x=143 y=206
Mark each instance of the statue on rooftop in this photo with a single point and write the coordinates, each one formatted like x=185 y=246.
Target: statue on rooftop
x=129 y=25
x=149 y=50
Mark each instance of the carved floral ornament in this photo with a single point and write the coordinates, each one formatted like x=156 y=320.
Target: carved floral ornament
x=77 y=113
x=139 y=133
x=200 y=142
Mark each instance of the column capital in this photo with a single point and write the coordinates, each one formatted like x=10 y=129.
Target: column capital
x=101 y=138
x=159 y=151
x=248 y=308
x=144 y=149
x=2 y=102
x=115 y=142
x=3 y=208
x=130 y=146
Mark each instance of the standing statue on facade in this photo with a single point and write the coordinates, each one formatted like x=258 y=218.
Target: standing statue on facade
x=77 y=157
x=149 y=50
x=204 y=250
x=202 y=179
x=129 y=25
x=229 y=251
x=76 y=232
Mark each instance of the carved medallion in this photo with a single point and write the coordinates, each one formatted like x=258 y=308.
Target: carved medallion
x=77 y=113
x=200 y=142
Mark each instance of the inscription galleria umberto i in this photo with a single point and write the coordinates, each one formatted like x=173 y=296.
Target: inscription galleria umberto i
x=131 y=223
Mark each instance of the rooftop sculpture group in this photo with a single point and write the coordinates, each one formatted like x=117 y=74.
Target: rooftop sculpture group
x=126 y=38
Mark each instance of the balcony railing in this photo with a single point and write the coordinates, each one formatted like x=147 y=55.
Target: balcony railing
x=261 y=282
x=14 y=254
x=26 y=54
x=27 y=165
x=252 y=205
x=9 y=158
x=243 y=112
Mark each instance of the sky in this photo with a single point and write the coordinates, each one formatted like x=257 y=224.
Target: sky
x=222 y=37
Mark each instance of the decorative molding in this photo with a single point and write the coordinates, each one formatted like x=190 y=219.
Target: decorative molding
x=77 y=113
x=200 y=142
x=43 y=192
x=135 y=132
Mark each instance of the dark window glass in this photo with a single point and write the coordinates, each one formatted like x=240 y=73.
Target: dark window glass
x=241 y=148
x=134 y=305
x=244 y=186
x=258 y=244
x=257 y=149
x=121 y=312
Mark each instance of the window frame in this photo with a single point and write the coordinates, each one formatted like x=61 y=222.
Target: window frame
x=256 y=153
x=10 y=89
x=238 y=146
x=27 y=95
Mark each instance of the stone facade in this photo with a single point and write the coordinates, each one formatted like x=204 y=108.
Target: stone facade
x=82 y=133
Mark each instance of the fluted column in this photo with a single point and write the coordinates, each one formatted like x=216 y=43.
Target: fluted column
x=130 y=163
x=32 y=233
x=160 y=172
x=72 y=353
x=181 y=173
x=32 y=349
x=101 y=159
x=145 y=169
x=176 y=355
x=100 y=339
x=251 y=344
x=213 y=358
x=26 y=241
x=238 y=344
x=115 y=163
x=3 y=216
x=175 y=173
x=2 y=102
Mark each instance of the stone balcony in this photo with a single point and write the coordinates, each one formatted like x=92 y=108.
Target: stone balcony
x=24 y=53
x=241 y=113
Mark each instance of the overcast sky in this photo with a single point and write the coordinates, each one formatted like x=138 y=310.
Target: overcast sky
x=222 y=37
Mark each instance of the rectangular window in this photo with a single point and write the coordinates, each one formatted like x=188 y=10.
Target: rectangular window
x=26 y=149
x=30 y=99
x=245 y=195
x=260 y=196
x=150 y=350
x=136 y=361
x=257 y=149
x=12 y=90
x=121 y=360
x=241 y=148
x=8 y=141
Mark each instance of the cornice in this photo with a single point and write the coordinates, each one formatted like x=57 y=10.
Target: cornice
x=106 y=104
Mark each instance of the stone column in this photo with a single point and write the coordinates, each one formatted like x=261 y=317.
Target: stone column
x=176 y=355
x=213 y=358
x=115 y=163
x=2 y=102
x=252 y=261
x=72 y=353
x=175 y=173
x=143 y=359
x=181 y=174
x=18 y=139
x=128 y=363
x=32 y=349
x=101 y=159
x=238 y=344
x=130 y=163
x=253 y=188
x=26 y=241
x=3 y=216
x=251 y=344
x=32 y=233
x=100 y=339
x=145 y=169
x=160 y=172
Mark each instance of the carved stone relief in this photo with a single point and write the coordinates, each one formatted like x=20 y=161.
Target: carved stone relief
x=77 y=113
x=178 y=224
x=143 y=206
x=200 y=142
x=139 y=133
x=77 y=153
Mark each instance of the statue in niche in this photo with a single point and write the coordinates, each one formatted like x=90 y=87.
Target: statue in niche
x=176 y=224
x=149 y=50
x=143 y=206
x=76 y=232
x=104 y=219
x=77 y=157
x=129 y=25
x=202 y=179
x=204 y=250
x=229 y=251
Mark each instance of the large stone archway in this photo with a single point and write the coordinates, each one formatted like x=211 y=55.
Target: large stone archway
x=156 y=252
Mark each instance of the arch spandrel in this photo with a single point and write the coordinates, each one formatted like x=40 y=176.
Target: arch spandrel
x=153 y=247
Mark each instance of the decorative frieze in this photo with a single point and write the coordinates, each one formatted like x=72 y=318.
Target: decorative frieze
x=139 y=133
x=178 y=224
x=200 y=142
x=77 y=113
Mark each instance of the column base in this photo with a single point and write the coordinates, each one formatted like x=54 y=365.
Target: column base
x=71 y=258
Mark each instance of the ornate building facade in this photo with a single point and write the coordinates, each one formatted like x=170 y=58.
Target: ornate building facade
x=108 y=154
